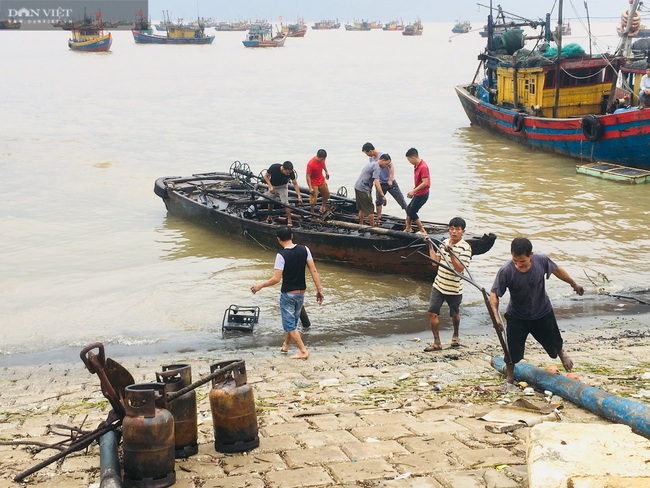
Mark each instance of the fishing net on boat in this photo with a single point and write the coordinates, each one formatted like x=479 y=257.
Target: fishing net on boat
x=525 y=59
x=572 y=50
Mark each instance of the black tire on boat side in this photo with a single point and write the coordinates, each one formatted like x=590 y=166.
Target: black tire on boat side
x=518 y=122
x=160 y=188
x=592 y=128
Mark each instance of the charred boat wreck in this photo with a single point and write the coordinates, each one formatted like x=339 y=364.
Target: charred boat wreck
x=235 y=204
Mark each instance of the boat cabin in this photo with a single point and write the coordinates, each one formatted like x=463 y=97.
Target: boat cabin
x=184 y=32
x=585 y=85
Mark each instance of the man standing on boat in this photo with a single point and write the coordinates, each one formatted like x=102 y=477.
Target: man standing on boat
x=529 y=310
x=289 y=268
x=317 y=182
x=455 y=252
x=420 y=191
x=368 y=178
x=386 y=180
x=644 y=90
x=277 y=178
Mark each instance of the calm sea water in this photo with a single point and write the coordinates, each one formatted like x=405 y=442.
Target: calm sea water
x=88 y=252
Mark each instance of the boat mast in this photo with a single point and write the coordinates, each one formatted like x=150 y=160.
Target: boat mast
x=588 y=26
x=626 y=40
x=558 y=61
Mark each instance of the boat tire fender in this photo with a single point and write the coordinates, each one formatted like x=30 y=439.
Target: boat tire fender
x=160 y=188
x=518 y=122
x=592 y=128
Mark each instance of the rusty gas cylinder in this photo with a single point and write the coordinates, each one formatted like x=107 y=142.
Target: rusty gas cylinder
x=233 y=409
x=183 y=408
x=147 y=438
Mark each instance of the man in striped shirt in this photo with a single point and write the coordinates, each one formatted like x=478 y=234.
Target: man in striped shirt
x=454 y=253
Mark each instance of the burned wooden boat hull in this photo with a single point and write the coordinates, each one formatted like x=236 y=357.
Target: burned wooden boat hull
x=235 y=205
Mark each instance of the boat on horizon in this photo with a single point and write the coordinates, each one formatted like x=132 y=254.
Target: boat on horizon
x=10 y=24
x=462 y=27
x=232 y=26
x=394 y=25
x=326 y=25
x=413 y=29
x=176 y=33
x=261 y=36
x=90 y=36
x=560 y=99
x=358 y=26
x=235 y=204
x=299 y=29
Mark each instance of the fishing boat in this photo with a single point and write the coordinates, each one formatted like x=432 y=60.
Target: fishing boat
x=90 y=37
x=560 y=99
x=232 y=26
x=499 y=24
x=566 y=29
x=326 y=25
x=299 y=29
x=175 y=34
x=395 y=25
x=413 y=29
x=260 y=36
x=234 y=203
x=462 y=27
x=358 y=26
x=142 y=23
x=10 y=24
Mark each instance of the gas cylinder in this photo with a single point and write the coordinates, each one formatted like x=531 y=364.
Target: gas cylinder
x=183 y=408
x=233 y=409
x=147 y=438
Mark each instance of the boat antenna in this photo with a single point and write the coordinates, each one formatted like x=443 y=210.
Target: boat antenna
x=558 y=61
x=588 y=26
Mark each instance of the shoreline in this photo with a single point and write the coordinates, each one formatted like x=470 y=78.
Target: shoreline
x=346 y=415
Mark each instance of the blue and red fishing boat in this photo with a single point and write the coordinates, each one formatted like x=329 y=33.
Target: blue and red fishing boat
x=560 y=99
x=89 y=36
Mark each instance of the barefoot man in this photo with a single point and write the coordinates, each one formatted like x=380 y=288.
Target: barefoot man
x=530 y=310
x=289 y=267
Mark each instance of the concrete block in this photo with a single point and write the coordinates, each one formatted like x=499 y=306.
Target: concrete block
x=382 y=432
x=559 y=452
x=410 y=483
x=337 y=422
x=491 y=456
x=362 y=471
x=295 y=427
x=296 y=478
x=247 y=481
x=315 y=457
x=331 y=438
x=369 y=450
x=252 y=463
x=277 y=443
x=422 y=463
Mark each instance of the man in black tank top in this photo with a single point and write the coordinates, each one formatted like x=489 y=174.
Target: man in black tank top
x=289 y=268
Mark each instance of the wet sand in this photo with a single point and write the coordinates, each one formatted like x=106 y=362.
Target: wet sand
x=380 y=415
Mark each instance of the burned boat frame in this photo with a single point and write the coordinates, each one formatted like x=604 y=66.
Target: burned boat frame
x=235 y=204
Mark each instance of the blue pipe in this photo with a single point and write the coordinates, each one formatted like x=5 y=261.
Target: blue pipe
x=110 y=475
x=612 y=407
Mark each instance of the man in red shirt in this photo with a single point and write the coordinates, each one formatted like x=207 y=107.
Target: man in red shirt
x=316 y=181
x=420 y=192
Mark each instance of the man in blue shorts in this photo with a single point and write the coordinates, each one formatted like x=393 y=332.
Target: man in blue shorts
x=530 y=310
x=289 y=267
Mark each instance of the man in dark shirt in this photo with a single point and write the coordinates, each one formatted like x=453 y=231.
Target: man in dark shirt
x=529 y=310
x=277 y=178
x=289 y=267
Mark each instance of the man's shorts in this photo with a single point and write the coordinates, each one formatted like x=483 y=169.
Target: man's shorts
x=364 y=202
x=281 y=193
x=437 y=299
x=290 y=308
x=544 y=330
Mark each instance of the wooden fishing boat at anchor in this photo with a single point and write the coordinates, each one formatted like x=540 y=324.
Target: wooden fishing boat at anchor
x=234 y=203
x=90 y=37
x=560 y=99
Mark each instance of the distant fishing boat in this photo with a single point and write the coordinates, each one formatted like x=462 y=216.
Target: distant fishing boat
x=462 y=27
x=232 y=26
x=499 y=25
x=142 y=23
x=413 y=29
x=358 y=26
x=326 y=25
x=176 y=33
x=260 y=36
x=90 y=37
x=299 y=29
x=393 y=26
x=560 y=99
x=10 y=24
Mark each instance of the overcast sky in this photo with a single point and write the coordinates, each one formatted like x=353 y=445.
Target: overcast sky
x=384 y=10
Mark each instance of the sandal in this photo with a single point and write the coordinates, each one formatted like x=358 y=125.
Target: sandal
x=433 y=348
x=455 y=343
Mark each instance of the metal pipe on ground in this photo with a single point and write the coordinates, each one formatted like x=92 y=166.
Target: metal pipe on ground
x=623 y=410
x=109 y=465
